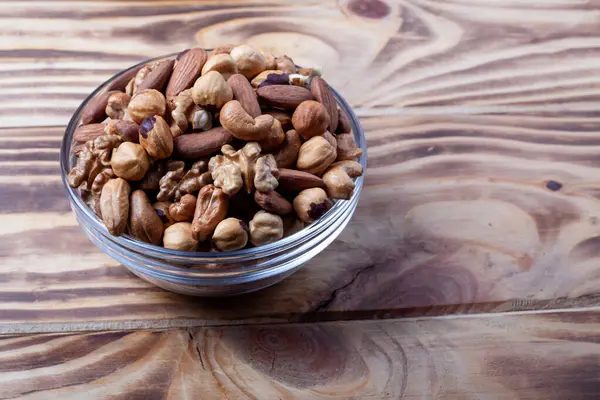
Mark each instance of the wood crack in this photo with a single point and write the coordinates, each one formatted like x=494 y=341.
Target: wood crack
x=196 y=347
x=325 y=303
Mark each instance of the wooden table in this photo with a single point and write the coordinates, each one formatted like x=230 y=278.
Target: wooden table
x=471 y=268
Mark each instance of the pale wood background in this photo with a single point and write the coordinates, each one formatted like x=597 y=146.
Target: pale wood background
x=470 y=108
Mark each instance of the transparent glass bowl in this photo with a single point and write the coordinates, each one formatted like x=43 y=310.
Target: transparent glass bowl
x=211 y=274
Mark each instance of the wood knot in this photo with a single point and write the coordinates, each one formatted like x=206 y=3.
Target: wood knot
x=374 y=9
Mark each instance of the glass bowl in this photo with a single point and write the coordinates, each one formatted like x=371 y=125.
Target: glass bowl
x=203 y=273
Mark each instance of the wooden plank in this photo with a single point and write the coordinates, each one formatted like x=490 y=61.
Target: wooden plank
x=383 y=53
x=531 y=356
x=457 y=216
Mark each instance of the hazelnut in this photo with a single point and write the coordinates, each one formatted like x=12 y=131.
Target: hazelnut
x=310 y=119
x=338 y=179
x=260 y=78
x=311 y=204
x=130 y=161
x=211 y=90
x=265 y=228
x=156 y=137
x=117 y=105
x=285 y=64
x=222 y=63
x=249 y=61
x=274 y=139
x=184 y=209
x=146 y=104
x=269 y=60
x=179 y=237
x=315 y=155
x=230 y=235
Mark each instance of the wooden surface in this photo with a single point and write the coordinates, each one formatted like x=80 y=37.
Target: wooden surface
x=461 y=358
x=481 y=196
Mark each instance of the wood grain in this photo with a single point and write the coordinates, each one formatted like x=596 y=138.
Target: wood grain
x=385 y=54
x=544 y=356
x=458 y=215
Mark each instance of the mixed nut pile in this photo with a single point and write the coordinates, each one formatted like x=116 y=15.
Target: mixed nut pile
x=214 y=151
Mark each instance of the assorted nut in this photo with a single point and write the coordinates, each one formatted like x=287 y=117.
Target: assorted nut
x=221 y=152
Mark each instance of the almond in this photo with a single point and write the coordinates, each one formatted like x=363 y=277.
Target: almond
x=273 y=202
x=197 y=145
x=322 y=92
x=344 y=125
x=94 y=111
x=292 y=179
x=284 y=96
x=158 y=77
x=88 y=132
x=187 y=70
x=243 y=92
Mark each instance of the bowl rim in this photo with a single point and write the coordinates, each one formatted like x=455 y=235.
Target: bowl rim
x=242 y=255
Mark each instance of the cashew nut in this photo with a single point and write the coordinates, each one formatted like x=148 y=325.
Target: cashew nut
x=236 y=120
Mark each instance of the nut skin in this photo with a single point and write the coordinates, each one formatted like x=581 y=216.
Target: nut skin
x=315 y=155
x=310 y=119
x=265 y=179
x=249 y=61
x=155 y=137
x=184 y=209
x=144 y=223
x=130 y=161
x=117 y=105
x=211 y=90
x=241 y=125
x=273 y=202
x=145 y=104
x=346 y=147
x=285 y=64
x=287 y=155
x=211 y=208
x=222 y=63
x=274 y=139
x=338 y=179
x=230 y=235
x=114 y=205
x=179 y=237
x=311 y=204
x=265 y=228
